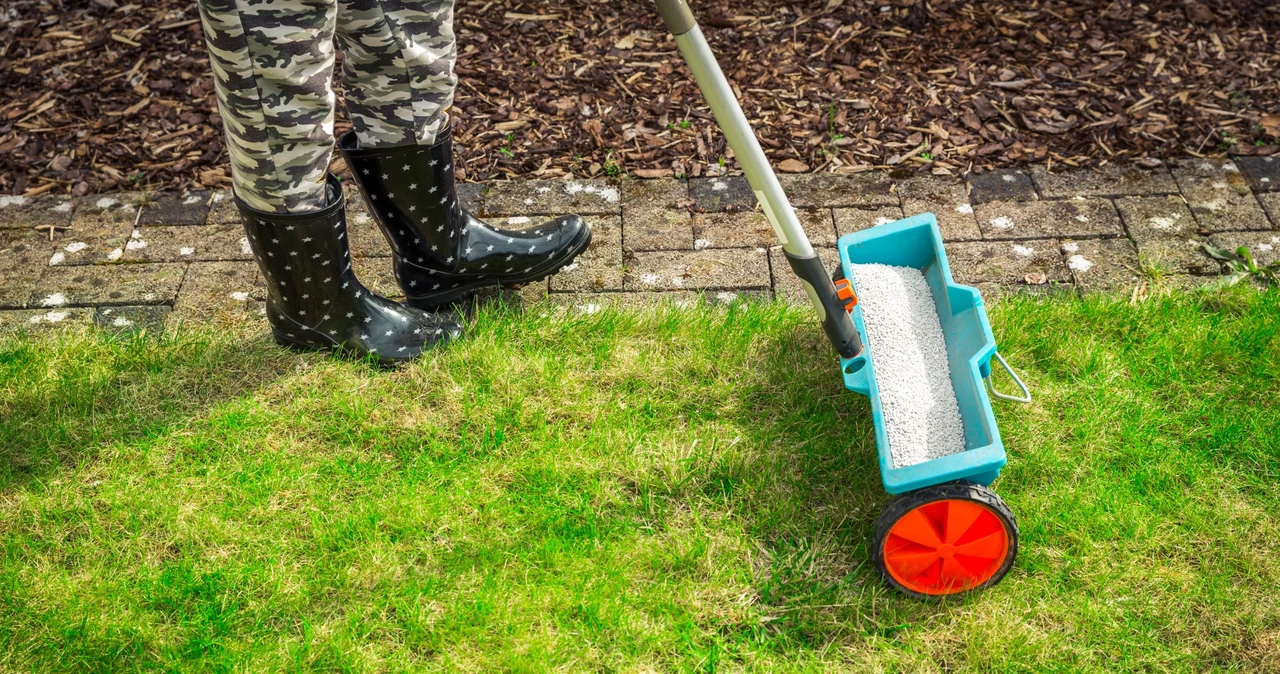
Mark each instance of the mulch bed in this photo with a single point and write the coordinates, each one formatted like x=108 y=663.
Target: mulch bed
x=102 y=96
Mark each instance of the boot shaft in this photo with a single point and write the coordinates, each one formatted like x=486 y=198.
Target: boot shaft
x=305 y=260
x=412 y=194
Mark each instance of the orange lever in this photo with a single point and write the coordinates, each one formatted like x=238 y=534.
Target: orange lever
x=844 y=290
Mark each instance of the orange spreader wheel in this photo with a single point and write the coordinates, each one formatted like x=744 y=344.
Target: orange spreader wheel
x=945 y=540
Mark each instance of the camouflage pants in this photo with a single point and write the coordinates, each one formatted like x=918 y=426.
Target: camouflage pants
x=273 y=65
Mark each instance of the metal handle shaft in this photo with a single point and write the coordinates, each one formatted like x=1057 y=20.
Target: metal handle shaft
x=777 y=208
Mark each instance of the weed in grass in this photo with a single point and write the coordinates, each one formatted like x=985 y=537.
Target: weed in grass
x=672 y=490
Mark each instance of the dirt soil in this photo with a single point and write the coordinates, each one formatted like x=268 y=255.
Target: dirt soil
x=105 y=95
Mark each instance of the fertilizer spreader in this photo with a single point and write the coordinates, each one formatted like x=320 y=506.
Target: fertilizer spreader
x=944 y=532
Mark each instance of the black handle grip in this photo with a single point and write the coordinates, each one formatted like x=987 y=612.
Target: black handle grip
x=835 y=321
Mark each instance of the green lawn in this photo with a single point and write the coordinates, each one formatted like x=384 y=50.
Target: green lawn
x=670 y=490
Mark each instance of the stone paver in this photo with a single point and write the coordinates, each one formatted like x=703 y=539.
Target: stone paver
x=363 y=233
x=223 y=210
x=552 y=197
x=786 y=285
x=177 y=209
x=1001 y=185
x=22 y=261
x=100 y=228
x=947 y=199
x=740 y=268
x=378 y=275
x=1102 y=264
x=1037 y=264
x=34 y=321
x=471 y=196
x=600 y=267
x=1149 y=218
x=1271 y=204
x=1264 y=246
x=1112 y=180
x=751 y=229
x=1219 y=196
x=1263 y=172
x=18 y=212
x=212 y=291
x=655 y=216
x=1043 y=219
x=130 y=320
x=95 y=211
x=850 y=220
x=1165 y=233
x=838 y=190
x=107 y=285
x=729 y=193
x=211 y=243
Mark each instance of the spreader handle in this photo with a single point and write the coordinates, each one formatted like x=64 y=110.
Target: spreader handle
x=777 y=208
x=1026 y=394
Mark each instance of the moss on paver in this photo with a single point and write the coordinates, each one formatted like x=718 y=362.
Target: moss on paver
x=552 y=197
x=18 y=212
x=850 y=220
x=1010 y=263
x=1072 y=218
x=1112 y=180
x=21 y=263
x=1102 y=264
x=180 y=209
x=948 y=200
x=1263 y=172
x=720 y=194
x=36 y=321
x=1219 y=196
x=108 y=285
x=214 y=290
x=1001 y=185
x=1166 y=234
x=742 y=268
x=600 y=267
x=212 y=243
x=832 y=190
x=751 y=229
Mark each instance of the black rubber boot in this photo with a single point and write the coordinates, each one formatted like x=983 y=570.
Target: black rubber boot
x=313 y=298
x=442 y=253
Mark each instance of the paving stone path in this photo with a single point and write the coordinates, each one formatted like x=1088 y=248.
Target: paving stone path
x=131 y=260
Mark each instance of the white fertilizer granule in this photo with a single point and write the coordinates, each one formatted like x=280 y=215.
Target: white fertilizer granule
x=921 y=417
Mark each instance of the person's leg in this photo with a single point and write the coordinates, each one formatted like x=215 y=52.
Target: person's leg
x=397 y=69
x=272 y=63
x=399 y=81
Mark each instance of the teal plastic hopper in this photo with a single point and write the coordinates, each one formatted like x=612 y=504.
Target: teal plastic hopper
x=916 y=242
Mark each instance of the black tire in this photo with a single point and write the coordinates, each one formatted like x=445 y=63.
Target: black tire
x=960 y=490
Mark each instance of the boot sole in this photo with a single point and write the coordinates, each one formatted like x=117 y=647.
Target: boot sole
x=445 y=298
x=346 y=354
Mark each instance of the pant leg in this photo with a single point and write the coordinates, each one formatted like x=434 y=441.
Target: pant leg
x=397 y=68
x=272 y=64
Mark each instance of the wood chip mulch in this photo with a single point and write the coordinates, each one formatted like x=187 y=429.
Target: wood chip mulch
x=104 y=95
